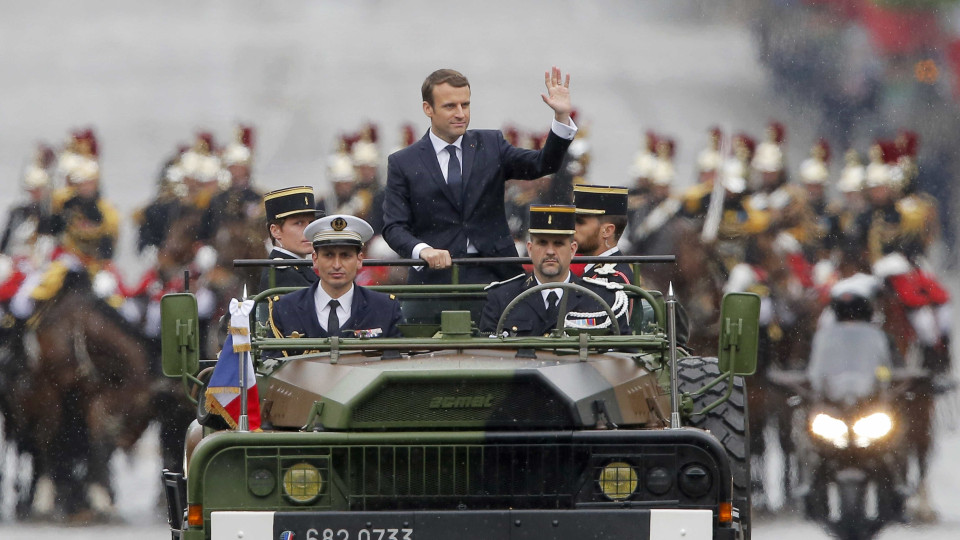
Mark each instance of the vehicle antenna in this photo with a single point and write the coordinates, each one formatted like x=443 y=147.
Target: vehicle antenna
x=672 y=337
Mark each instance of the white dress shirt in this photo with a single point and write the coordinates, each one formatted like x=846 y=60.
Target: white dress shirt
x=545 y=292
x=321 y=302
x=563 y=131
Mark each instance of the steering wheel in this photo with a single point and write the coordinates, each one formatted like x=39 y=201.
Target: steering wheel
x=560 y=316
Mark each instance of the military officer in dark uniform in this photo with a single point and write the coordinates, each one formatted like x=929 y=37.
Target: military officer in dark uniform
x=601 y=220
x=334 y=305
x=288 y=212
x=551 y=246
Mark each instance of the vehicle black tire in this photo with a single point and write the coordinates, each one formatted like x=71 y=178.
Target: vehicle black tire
x=728 y=423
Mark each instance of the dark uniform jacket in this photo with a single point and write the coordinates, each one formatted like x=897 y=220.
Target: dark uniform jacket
x=372 y=311
x=529 y=317
x=612 y=272
x=419 y=206
x=288 y=276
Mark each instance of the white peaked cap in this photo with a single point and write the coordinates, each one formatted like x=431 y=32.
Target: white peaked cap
x=338 y=230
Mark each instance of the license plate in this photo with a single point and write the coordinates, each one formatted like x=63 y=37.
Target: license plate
x=346 y=526
x=372 y=533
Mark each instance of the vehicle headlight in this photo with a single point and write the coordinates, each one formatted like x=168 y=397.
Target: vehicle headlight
x=302 y=482
x=831 y=429
x=618 y=480
x=872 y=428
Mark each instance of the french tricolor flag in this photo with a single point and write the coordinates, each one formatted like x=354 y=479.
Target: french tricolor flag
x=223 y=391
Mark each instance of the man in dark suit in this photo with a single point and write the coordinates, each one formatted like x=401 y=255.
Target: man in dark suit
x=334 y=305
x=289 y=211
x=601 y=220
x=551 y=247
x=445 y=193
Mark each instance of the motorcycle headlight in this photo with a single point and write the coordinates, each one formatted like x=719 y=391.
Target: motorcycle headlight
x=872 y=428
x=831 y=429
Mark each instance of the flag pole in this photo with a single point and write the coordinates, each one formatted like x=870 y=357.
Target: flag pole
x=244 y=422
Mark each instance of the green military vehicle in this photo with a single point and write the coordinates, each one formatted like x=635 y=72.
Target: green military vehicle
x=447 y=433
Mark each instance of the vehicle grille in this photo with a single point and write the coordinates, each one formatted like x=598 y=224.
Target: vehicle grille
x=523 y=476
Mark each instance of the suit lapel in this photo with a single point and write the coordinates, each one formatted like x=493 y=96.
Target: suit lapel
x=357 y=308
x=308 y=313
x=471 y=188
x=429 y=160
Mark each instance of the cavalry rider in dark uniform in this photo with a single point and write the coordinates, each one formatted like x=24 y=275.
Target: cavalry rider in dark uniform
x=601 y=220
x=288 y=212
x=335 y=305
x=551 y=246
x=240 y=201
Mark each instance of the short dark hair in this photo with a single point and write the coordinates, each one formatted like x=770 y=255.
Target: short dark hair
x=619 y=224
x=452 y=77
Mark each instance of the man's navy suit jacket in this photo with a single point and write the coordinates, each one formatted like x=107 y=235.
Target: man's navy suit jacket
x=420 y=207
x=295 y=312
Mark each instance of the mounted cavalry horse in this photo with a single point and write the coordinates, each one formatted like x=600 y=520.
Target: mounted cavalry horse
x=77 y=388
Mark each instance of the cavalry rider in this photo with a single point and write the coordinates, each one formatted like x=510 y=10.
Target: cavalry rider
x=551 y=247
x=289 y=211
x=239 y=201
x=88 y=227
x=893 y=233
x=366 y=162
x=26 y=243
x=601 y=219
x=28 y=223
x=815 y=175
x=155 y=219
x=334 y=305
x=346 y=197
x=656 y=211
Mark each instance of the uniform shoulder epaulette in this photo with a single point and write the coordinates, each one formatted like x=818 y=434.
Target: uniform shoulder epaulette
x=605 y=269
x=915 y=213
x=612 y=285
x=498 y=283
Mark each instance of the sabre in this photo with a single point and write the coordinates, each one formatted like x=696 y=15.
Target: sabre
x=711 y=224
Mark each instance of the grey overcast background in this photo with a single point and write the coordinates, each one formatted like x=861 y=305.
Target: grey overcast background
x=148 y=75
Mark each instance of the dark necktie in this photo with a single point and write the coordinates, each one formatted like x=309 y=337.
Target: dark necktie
x=553 y=301
x=333 y=321
x=454 y=176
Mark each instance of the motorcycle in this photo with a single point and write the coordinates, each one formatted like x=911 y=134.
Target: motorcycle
x=854 y=451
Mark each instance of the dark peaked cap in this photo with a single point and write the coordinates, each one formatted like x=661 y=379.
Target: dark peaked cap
x=289 y=201
x=553 y=219
x=600 y=200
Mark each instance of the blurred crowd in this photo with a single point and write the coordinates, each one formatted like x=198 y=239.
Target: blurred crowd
x=821 y=216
